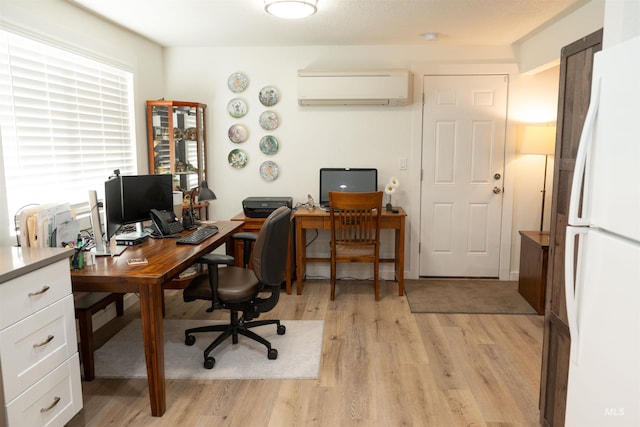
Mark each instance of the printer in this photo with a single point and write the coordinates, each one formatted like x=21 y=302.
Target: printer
x=261 y=207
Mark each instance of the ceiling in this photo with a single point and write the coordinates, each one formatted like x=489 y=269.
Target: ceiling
x=337 y=22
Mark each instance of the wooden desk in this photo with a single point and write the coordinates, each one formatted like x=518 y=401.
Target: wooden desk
x=166 y=261
x=319 y=219
x=253 y=225
x=534 y=256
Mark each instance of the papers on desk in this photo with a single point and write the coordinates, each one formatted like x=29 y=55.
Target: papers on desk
x=47 y=225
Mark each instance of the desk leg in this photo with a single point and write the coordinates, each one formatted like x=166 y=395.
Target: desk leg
x=153 y=337
x=301 y=254
x=400 y=257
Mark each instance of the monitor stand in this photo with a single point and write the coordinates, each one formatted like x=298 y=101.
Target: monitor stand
x=118 y=250
x=110 y=248
x=103 y=247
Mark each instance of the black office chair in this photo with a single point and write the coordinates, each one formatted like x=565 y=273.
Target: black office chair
x=237 y=289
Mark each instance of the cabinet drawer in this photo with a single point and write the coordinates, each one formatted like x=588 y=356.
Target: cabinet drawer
x=34 y=291
x=53 y=401
x=33 y=347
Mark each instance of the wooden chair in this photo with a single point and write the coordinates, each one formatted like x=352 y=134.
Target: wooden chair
x=355 y=231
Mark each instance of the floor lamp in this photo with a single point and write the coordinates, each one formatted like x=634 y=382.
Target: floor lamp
x=539 y=139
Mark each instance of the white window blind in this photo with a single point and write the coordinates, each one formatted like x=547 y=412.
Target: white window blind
x=66 y=122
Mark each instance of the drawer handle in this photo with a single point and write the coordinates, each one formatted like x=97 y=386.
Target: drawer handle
x=50 y=407
x=40 y=292
x=45 y=342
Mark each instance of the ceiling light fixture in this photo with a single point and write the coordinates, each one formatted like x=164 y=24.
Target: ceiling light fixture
x=291 y=9
x=430 y=36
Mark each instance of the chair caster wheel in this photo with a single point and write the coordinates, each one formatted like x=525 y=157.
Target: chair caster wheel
x=282 y=329
x=209 y=362
x=189 y=340
x=273 y=354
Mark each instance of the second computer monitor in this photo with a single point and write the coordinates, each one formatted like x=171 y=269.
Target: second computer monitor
x=129 y=199
x=354 y=180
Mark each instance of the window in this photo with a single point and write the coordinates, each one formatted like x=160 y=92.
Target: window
x=66 y=122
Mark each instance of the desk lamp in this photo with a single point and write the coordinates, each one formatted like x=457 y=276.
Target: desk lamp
x=189 y=221
x=539 y=139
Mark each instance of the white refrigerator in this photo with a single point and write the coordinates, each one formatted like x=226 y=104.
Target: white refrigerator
x=603 y=239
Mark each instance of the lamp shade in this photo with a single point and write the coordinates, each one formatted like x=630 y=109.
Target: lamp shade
x=291 y=9
x=538 y=139
x=205 y=192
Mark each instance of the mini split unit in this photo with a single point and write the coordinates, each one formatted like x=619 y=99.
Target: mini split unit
x=383 y=87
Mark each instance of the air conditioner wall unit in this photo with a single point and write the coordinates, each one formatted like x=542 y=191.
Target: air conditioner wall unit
x=373 y=87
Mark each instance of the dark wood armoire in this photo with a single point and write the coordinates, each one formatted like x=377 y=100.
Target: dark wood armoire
x=573 y=101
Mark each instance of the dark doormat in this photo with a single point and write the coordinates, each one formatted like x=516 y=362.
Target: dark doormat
x=469 y=296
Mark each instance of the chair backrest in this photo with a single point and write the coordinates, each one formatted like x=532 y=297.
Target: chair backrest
x=355 y=218
x=269 y=255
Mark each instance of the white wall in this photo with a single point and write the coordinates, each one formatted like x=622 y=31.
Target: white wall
x=535 y=99
x=541 y=50
x=311 y=137
x=622 y=21
x=315 y=137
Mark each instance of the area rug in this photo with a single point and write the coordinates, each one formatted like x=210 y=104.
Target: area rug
x=469 y=296
x=299 y=351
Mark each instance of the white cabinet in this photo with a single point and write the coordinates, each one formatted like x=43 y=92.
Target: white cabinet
x=39 y=365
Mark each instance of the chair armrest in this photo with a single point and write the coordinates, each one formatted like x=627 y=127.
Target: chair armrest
x=213 y=261
x=247 y=238
x=216 y=259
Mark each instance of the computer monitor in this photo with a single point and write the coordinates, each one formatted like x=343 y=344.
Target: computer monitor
x=96 y=223
x=355 y=180
x=129 y=198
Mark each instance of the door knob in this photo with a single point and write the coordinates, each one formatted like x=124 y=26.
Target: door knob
x=497 y=190
x=497 y=176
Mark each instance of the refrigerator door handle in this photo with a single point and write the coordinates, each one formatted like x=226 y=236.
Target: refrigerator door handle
x=572 y=287
x=584 y=147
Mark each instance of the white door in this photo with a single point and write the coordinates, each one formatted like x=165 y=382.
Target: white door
x=463 y=141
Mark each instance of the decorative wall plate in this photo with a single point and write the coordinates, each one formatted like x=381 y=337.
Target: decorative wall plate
x=269 y=96
x=237 y=158
x=269 y=144
x=269 y=170
x=237 y=82
x=237 y=107
x=269 y=120
x=238 y=133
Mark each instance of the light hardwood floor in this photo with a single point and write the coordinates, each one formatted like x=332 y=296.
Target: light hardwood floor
x=381 y=366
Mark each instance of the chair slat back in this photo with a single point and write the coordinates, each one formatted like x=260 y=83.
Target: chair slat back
x=355 y=218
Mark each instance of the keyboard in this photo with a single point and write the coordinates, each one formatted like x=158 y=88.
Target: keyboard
x=198 y=236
